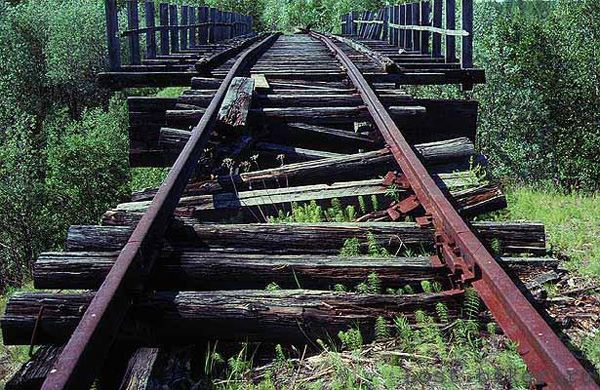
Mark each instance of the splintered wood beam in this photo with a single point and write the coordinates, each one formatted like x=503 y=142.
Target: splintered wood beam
x=188 y=317
x=233 y=114
x=187 y=117
x=259 y=205
x=314 y=238
x=31 y=375
x=260 y=83
x=319 y=168
x=201 y=270
x=193 y=270
x=471 y=197
x=386 y=63
x=138 y=373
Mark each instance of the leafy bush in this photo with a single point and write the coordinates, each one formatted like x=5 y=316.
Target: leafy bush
x=69 y=173
x=539 y=108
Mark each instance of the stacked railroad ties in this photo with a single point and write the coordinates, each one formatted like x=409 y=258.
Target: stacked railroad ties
x=188 y=262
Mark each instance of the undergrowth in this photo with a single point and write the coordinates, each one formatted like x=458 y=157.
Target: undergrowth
x=427 y=350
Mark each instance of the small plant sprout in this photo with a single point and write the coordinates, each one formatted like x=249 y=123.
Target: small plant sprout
x=442 y=313
x=408 y=289
x=426 y=286
x=351 y=339
x=381 y=328
x=272 y=287
x=351 y=248
x=393 y=192
x=496 y=246
x=375 y=202
x=374 y=283
x=362 y=204
x=340 y=288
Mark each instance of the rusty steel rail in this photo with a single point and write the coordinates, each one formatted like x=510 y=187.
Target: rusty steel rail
x=78 y=364
x=547 y=358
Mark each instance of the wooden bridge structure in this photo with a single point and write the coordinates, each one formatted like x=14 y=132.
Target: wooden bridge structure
x=268 y=124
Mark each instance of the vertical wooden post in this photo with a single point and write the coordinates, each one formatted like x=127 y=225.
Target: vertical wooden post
x=193 y=30
x=163 y=11
x=353 y=17
x=402 y=21
x=250 y=23
x=450 y=25
x=184 y=32
x=203 y=19
x=385 y=26
x=467 y=41
x=409 y=21
x=235 y=26
x=437 y=22
x=133 y=23
x=174 y=23
x=425 y=21
x=416 y=19
x=211 y=24
x=112 y=29
x=396 y=20
x=230 y=20
x=151 y=33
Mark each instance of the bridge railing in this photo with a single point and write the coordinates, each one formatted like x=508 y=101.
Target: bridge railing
x=425 y=27
x=169 y=29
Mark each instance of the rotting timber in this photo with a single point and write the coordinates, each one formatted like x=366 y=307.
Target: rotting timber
x=271 y=121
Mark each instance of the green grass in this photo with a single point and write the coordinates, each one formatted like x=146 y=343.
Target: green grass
x=11 y=357
x=142 y=178
x=572 y=223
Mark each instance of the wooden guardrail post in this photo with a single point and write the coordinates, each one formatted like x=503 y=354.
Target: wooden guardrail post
x=202 y=20
x=353 y=17
x=150 y=17
x=467 y=40
x=416 y=20
x=174 y=23
x=164 y=28
x=402 y=21
x=133 y=23
x=450 y=25
x=409 y=21
x=193 y=30
x=211 y=24
x=436 y=40
x=425 y=21
x=112 y=28
x=385 y=27
x=184 y=32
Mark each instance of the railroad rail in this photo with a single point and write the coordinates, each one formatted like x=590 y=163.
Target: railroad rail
x=270 y=125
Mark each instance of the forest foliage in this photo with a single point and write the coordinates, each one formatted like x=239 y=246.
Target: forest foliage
x=63 y=139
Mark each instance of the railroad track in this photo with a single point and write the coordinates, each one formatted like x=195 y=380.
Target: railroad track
x=277 y=126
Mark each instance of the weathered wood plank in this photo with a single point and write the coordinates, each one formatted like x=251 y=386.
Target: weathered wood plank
x=193 y=270
x=233 y=113
x=184 y=318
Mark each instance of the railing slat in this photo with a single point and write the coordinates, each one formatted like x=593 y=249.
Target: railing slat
x=112 y=28
x=450 y=25
x=467 y=41
x=174 y=23
x=436 y=40
x=150 y=16
x=133 y=23
x=183 y=38
x=164 y=31
x=203 y=18
x=416 y=18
